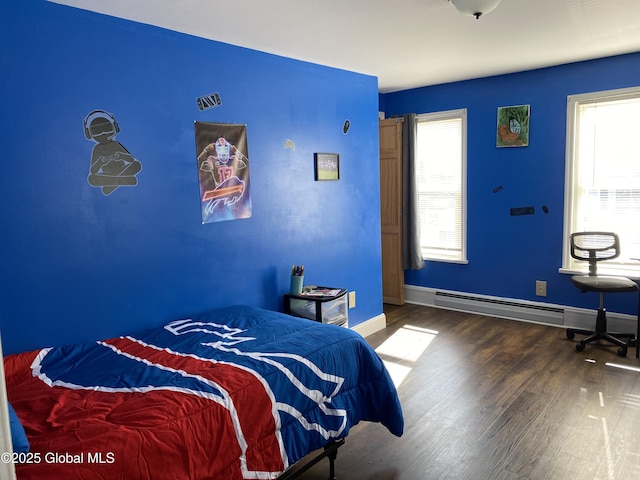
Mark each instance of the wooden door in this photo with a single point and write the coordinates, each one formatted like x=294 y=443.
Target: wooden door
x=391 y=210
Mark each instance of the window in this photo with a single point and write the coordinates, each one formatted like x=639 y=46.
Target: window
x=602 y=190
x=441 y=169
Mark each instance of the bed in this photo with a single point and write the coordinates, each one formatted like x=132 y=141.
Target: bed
x=235 y=393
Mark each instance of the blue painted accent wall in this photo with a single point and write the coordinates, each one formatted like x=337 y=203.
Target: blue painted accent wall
x=508 y=254
x=78 y=265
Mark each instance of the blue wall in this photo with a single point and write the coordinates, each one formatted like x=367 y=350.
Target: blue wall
x=79 y=265
x=508 y=254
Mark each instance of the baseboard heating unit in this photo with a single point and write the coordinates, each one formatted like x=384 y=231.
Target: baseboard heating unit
x=515 y=309
x=500 y=307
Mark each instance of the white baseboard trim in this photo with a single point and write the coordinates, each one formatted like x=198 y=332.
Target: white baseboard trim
x=373 y=325
x=515 y=309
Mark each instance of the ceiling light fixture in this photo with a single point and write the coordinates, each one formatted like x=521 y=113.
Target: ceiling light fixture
x=475 y=8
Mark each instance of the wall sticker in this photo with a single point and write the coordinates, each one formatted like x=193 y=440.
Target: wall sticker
x=517 y=211
x=112 y=165
x=223 y=171
x=209 y=101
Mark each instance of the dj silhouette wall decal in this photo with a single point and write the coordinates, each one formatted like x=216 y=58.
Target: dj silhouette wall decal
x=112 y=165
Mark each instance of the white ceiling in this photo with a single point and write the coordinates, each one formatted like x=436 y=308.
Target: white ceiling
x=405 y=43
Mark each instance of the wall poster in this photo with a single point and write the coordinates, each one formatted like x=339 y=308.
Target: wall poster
x=223 y=171
x=513 y=126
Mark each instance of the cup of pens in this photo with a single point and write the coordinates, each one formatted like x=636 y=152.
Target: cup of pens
x=297 y=279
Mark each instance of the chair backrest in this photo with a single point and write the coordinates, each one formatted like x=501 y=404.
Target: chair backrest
x=594 y=247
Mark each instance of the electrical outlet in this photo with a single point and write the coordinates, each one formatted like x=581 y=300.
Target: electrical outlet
x=541 y=288
x=352 y=299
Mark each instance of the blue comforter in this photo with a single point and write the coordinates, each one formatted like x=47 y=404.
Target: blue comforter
x=234 y=393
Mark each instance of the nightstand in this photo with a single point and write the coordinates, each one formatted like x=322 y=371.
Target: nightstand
x=331 y=309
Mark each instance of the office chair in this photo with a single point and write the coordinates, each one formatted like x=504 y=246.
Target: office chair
x=595 y=247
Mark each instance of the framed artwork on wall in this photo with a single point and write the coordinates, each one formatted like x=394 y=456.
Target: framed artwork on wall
x=513 y=126
x=327 y=166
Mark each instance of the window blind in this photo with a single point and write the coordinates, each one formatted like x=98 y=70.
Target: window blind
x=440 y=161
x=605 y=163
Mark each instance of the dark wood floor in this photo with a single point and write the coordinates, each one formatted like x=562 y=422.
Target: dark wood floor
x=488 y=398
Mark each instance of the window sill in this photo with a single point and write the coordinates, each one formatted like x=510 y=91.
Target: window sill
x=632 y=274
x=445 y=260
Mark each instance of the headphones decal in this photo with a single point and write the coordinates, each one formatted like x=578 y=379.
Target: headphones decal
x=112 y=165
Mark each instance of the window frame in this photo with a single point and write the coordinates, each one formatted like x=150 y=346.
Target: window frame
x=569 y=265
x=457 y=114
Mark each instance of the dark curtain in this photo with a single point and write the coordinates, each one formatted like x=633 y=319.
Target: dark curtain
x=411 y=253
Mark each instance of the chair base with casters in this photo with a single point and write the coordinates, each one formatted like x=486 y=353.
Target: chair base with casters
x=602 y=285
x=634 y=341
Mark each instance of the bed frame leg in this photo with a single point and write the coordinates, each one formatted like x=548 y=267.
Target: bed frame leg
x=332 y=461
x=330 y=452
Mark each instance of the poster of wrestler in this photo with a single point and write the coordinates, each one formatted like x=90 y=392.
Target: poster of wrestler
x=223 y=171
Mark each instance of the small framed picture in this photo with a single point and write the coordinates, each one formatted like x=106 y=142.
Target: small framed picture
x=327 y=166
x=513 y=126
